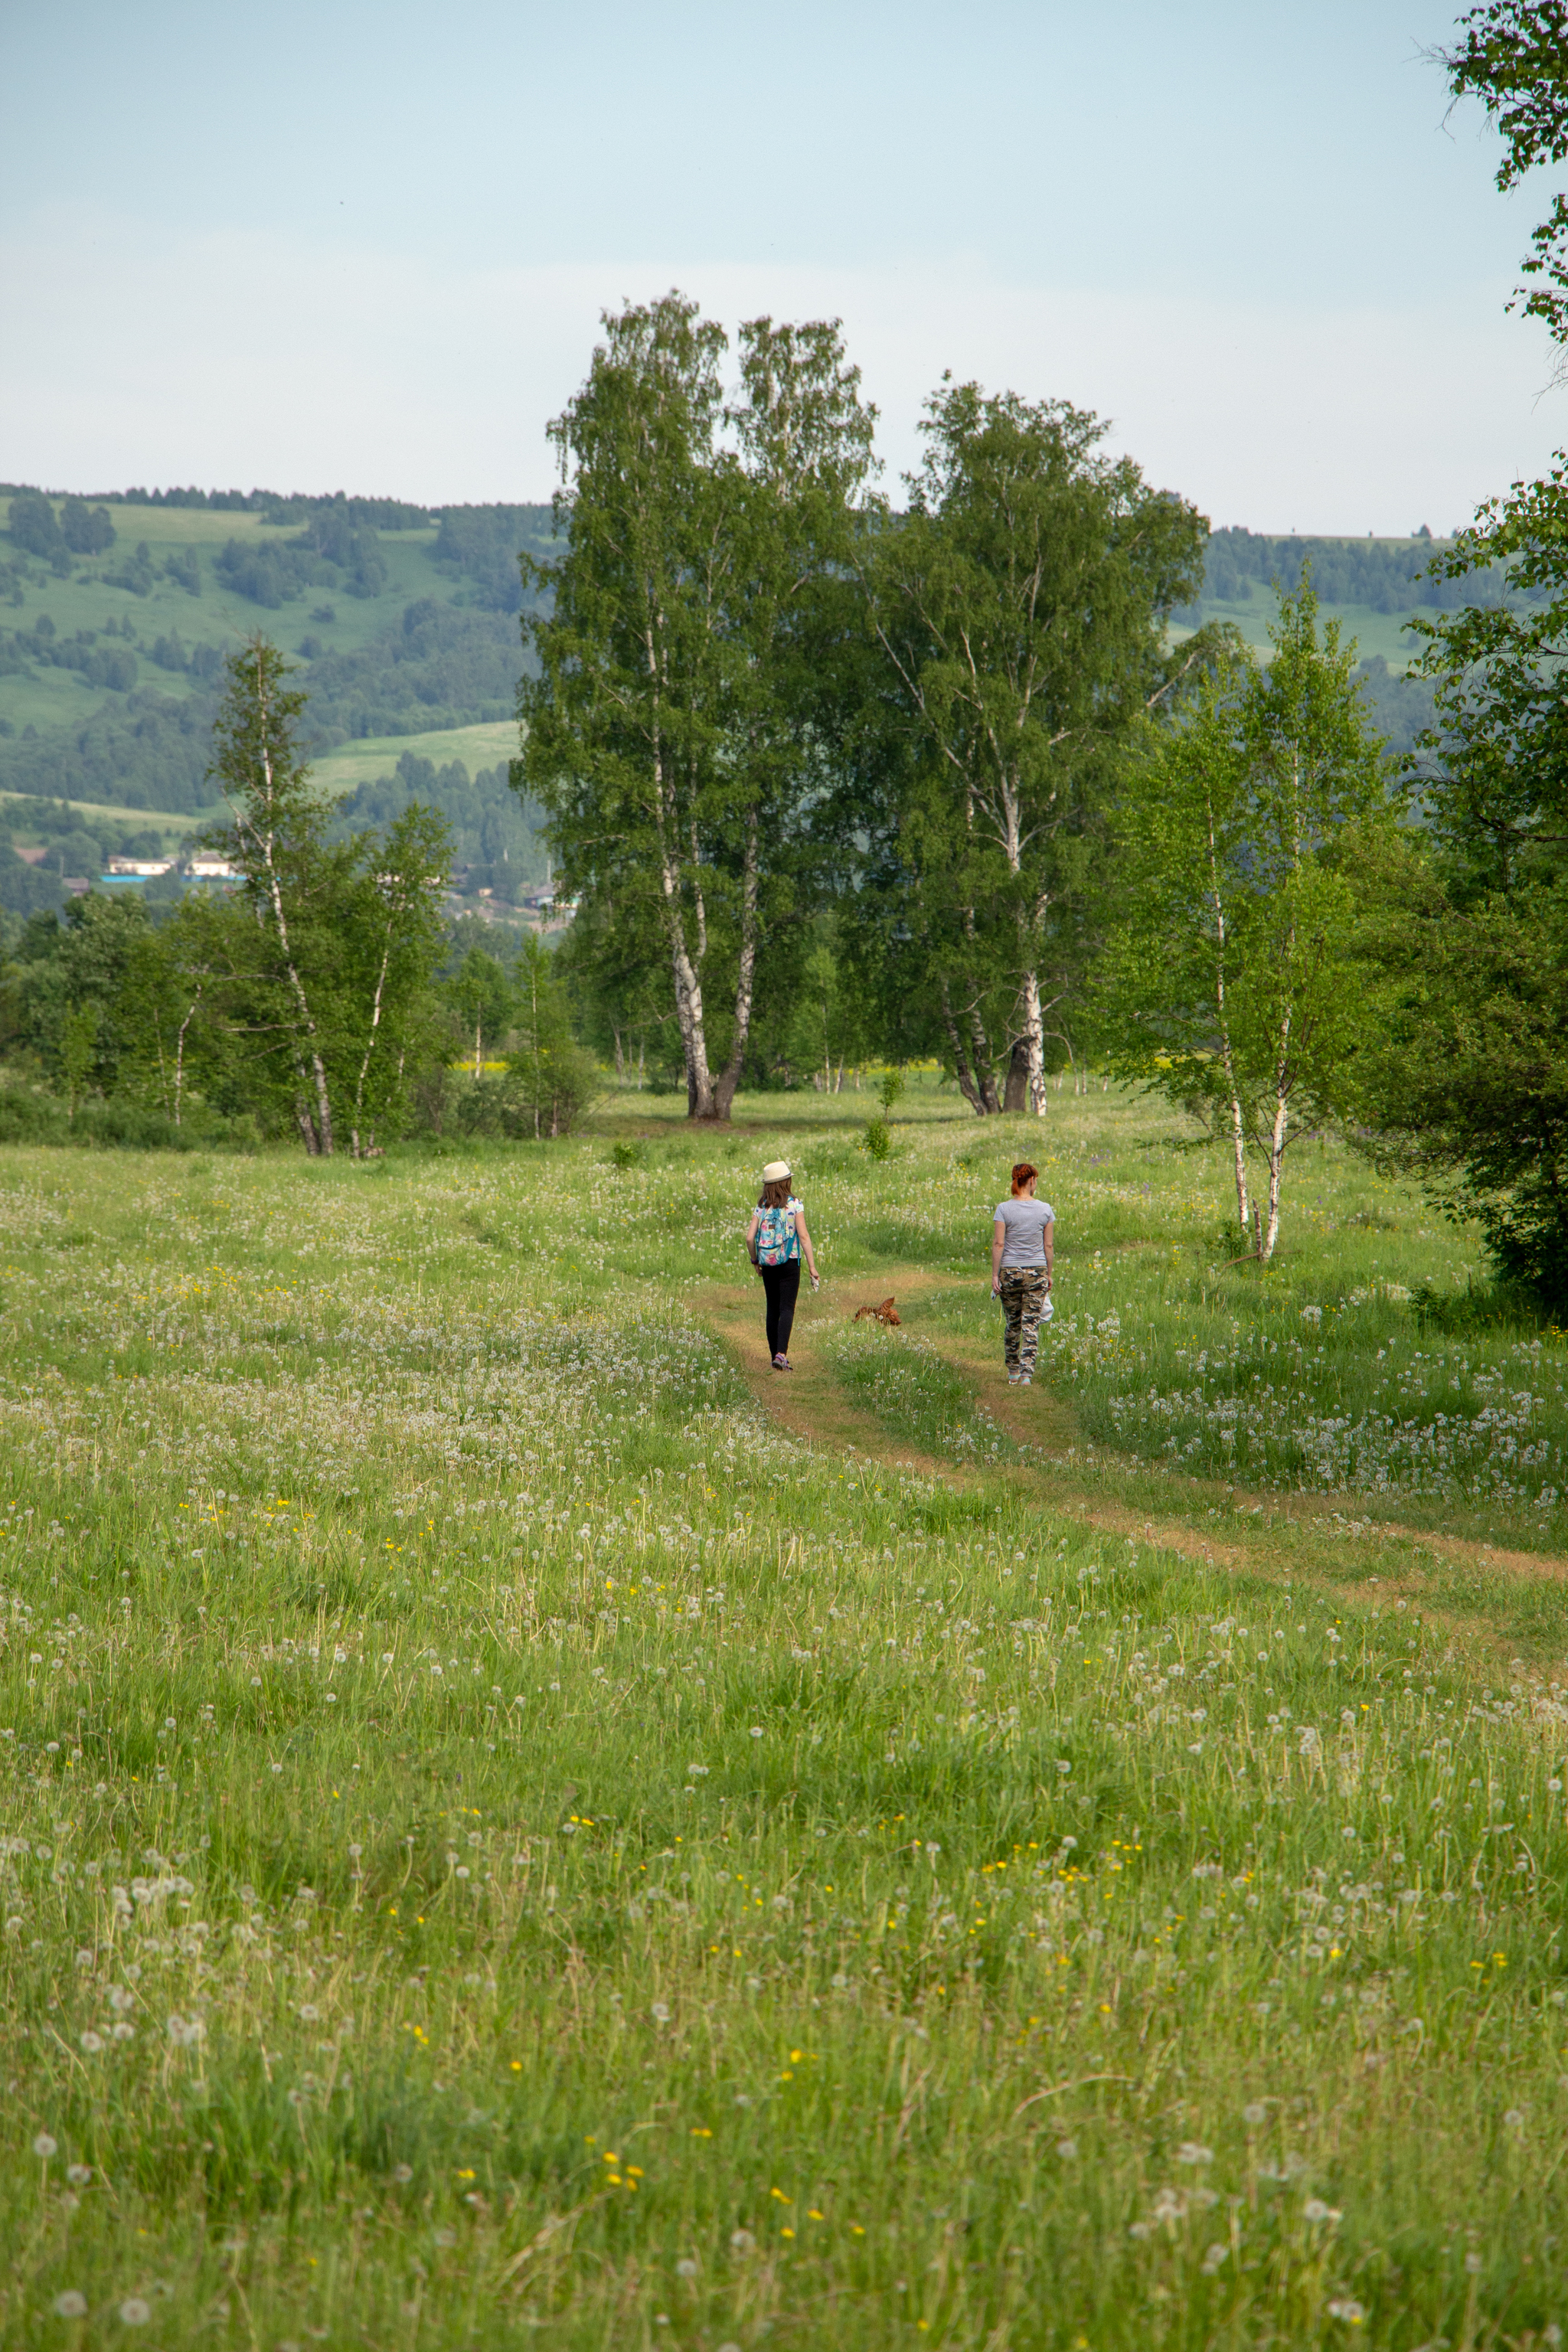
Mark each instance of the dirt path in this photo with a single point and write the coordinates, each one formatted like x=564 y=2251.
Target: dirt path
x=1285 y=1542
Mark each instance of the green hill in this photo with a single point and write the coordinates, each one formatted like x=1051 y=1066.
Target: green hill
x=116 y=614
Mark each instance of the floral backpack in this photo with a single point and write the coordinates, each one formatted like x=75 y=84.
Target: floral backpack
x=776 y=1242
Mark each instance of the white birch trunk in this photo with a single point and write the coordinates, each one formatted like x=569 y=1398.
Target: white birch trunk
x=724 y=1094
x=1237 y=1124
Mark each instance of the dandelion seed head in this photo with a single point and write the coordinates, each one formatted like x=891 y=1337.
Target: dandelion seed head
x=71 y=2305
x=134 y=2313
x=45 y=2146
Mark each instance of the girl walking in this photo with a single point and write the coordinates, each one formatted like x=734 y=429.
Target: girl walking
x=774 y=1240
x=1023 y=1245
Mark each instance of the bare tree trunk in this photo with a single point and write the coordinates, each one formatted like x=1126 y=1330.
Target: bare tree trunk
x=962 y=1071
x=478 y=1036
x=1238 y=1146
x=620 y=1063
x=724 y=1094
x=1237 y=1124
x=180 y=1055
x=1277 y=1144
x=687 y=986
x=989 y=1102
x=1034 y=1041
x=316 y=1131
x=693 y=1036
x=1015 y=1095
x=355 y=1152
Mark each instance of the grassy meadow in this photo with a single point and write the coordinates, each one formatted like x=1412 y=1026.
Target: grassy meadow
x=516 y=1825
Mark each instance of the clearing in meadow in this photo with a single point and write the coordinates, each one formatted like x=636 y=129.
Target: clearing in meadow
x=520 y=1825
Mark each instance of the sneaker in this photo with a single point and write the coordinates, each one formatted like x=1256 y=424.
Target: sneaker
x=1013 y=1378
x=1025 y=1380
x=781 y=1363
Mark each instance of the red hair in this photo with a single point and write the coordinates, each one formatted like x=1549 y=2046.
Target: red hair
x=1022 y=1175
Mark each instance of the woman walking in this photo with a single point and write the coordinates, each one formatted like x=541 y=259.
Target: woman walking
x=1023 y=1245
x=775 y=1239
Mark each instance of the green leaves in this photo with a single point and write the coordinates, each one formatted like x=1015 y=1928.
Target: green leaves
x=1514 y=58
x=674 y=729
x=1019 y=611
x=1233 y=981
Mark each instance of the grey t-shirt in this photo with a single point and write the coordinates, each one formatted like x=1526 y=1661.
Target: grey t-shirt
x=1025 y=1222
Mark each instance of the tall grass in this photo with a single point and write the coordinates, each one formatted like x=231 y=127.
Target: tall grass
x=496 y=1843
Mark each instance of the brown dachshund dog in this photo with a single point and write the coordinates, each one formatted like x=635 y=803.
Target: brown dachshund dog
x=886 y=1313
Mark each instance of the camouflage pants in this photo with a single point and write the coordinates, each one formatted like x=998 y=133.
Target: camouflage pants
x=1024 y=1296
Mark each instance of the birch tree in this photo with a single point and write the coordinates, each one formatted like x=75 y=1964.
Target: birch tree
x=664 y=732
x=1019 y=611
x=1232 y=979
x=316 y=970
x=277 y=836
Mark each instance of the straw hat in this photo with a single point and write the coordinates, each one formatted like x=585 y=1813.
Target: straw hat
x=776 y=1172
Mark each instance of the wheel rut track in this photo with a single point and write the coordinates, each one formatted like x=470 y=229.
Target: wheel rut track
x=809 y=1404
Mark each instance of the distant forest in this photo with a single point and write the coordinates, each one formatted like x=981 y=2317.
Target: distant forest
x=446 y=656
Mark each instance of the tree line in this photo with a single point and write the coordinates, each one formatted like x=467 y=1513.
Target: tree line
x=319 y=992
x=830 y=773
x=942 y=770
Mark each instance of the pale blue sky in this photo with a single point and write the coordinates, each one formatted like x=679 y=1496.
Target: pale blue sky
x=340 y=244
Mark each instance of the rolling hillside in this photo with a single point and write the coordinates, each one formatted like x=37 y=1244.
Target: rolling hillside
x=116 y=614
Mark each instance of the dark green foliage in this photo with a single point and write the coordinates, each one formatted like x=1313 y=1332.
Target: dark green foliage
x=112 y=665
x=482 y=545
x=270 y=575
x=1368 y=572
x=356 y=514
x=672 y=731
x=1469 y=1085
x=549 y=1080
x=34 y=528
x=320 y=967
x=150 y=751
x=24 y=887
x=353 y=547
x=85 y=531
x=138 y=573
x=495 y=836
x=1018 y=615
x=431 y=668
x=30 y=1115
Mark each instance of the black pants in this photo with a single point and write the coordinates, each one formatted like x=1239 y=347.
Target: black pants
x=782 y=1284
